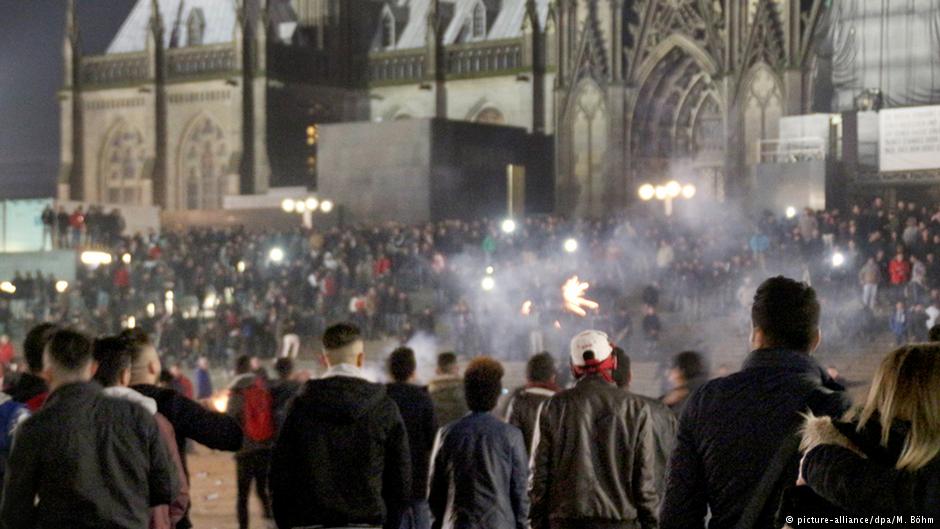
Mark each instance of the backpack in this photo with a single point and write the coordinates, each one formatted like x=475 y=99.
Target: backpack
x=257 y=415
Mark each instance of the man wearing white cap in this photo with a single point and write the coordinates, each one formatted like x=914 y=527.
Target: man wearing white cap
x=593 y=452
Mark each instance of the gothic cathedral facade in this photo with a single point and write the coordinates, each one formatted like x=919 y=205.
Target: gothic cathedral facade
x=198 y=99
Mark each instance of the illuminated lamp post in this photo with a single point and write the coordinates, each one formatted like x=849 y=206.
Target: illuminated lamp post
x=672 y=190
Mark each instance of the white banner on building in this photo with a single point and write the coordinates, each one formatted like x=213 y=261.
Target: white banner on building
x=910 y=138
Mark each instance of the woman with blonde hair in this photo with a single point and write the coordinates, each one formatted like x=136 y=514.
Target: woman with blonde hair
x=886 y=458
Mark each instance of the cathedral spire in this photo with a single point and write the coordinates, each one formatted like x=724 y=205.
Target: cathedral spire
x=72 y=33
x=71 y=46
x=156 y=22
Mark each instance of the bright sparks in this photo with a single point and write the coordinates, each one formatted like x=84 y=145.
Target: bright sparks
x=573 y=293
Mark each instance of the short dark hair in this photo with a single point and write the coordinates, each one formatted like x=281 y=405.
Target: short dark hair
x=242 y=364
x=621 y=374
x=690 y=364
x=933 y=335
x=284 y=367
x=541 y=367
x=113 y=357
x=482 y=383
x=35 y=344
x=787 y=312
x=446 y=360
x=340 y=335
x=135 y=340
x=402 y=364
x=70 y=349
x=136 y=336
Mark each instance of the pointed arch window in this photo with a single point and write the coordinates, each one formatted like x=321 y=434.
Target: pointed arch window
x=196 y=27
x=122 y=166
x=203 y=165
x=387 y=30
x=478 y=21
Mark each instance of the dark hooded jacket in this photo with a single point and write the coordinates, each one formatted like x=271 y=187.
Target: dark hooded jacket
x=342 y=457
x=732 y=427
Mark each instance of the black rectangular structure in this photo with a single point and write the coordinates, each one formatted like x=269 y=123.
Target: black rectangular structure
x=418 y=170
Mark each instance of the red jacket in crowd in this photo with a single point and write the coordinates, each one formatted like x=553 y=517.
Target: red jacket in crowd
x=899 y=271
x=382 y=266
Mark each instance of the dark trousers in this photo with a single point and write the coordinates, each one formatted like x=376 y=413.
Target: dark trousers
x=250 y=466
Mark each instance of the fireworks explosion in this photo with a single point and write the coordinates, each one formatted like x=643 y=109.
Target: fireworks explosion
x=573 y=293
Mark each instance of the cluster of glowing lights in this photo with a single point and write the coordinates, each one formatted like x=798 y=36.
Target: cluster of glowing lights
x=671 y=190
x=311 y=204
x=573 y=292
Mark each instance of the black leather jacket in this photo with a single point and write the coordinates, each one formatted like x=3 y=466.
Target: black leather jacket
x=594 y=460
x=664 y=423
x=523 y=411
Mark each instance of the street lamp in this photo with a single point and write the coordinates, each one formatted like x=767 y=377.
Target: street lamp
x=61 y=286
x=306 y=207
x=790 y=212
x=666 y=193
x=508 y=226
x=276 y=255
x=570 y=245
x=488 y=283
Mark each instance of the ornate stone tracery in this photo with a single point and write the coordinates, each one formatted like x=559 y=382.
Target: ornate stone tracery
x=121 y=169
x=203 y=165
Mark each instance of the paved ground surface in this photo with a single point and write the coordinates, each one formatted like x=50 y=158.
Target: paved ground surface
x=214 y=491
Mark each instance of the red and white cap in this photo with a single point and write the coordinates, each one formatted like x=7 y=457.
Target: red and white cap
x=590 y=348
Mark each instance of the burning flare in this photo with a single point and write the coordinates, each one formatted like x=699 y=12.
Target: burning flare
x=220 y=401
x=573 y=291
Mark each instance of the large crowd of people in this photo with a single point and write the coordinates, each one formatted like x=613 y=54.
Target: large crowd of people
x=94 y=436
x=223 y=292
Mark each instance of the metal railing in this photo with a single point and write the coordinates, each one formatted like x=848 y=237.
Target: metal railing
x=114 y=69
x=476 y=59
x=791 y=150
x=396 y=67
x=202 y=60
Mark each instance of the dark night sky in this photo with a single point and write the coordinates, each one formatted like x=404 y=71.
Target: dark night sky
x=31 y=34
